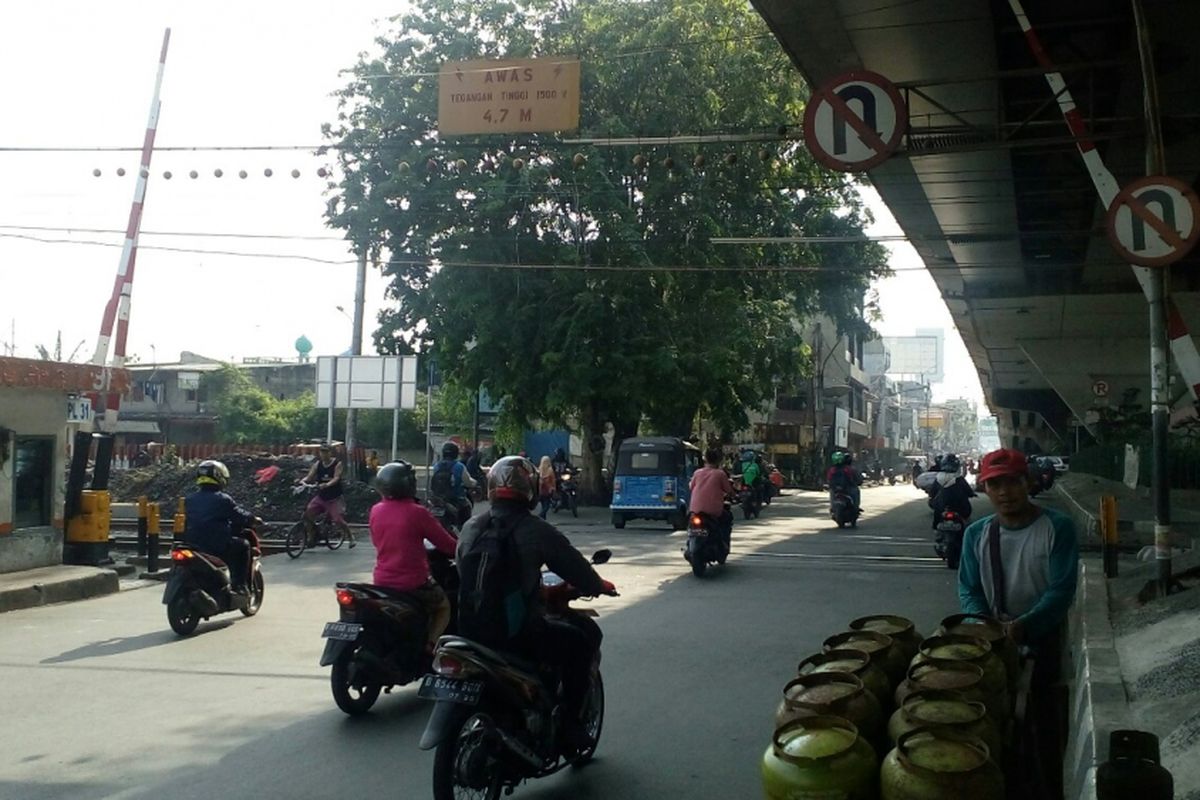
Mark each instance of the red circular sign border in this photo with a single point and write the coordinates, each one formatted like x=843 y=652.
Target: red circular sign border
x=810 y=115
x=1126 y=192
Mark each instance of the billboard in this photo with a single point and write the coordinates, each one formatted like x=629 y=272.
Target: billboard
x=525 y=95
x=367 y=382
x=918 y=355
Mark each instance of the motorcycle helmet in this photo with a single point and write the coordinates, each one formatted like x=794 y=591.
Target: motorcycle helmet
x=513 y=478
x=950 y=463
x=847 y=459
x=838 y=457
x=450 y=451
x=396 y=480
x=212 y=473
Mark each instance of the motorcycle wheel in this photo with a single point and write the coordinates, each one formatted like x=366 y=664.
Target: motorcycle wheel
x=593 y=719
x=182 y=618
x=296 y=540
x=445 y=764
x=699 y=565
x=574 y=503
x=257 y=590
x=746 y=512
x=952 y=554
x=354 y=700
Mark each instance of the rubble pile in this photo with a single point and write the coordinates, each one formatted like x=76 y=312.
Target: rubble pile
x=272 y=500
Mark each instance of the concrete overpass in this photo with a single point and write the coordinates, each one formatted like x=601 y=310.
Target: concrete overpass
x=991 y=190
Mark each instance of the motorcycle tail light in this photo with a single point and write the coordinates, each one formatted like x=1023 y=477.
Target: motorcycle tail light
x=181 y=555
x=696 y=521
x=948 y=515
x=345 y=597
x=449 y=665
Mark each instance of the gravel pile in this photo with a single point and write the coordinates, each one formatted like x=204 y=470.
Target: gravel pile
x=273 y=500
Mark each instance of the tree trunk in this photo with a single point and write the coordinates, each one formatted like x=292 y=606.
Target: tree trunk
x=593 y=489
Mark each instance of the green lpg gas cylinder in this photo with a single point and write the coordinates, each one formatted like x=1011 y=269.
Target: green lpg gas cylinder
x=902 y=630
x=858 y=664
x=819 y=758
x=940 y=764
x=942 y=707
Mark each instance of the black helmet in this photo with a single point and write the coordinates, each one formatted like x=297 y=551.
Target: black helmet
x=513 y=478
x=450 y=450
x=950 y=463
x=396 y=480
x=847 y=459
x=212 y=473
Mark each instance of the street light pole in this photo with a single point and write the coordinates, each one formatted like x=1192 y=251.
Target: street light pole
x=356 y=338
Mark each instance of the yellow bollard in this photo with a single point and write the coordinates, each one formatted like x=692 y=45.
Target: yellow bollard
x=179 y=523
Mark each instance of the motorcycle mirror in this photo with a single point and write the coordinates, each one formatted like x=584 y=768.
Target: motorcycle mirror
x=601 y=556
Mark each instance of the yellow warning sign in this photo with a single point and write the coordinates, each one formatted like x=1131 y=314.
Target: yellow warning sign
x=525 y=95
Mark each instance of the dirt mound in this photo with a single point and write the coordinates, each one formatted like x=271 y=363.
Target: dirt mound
x=272 y=500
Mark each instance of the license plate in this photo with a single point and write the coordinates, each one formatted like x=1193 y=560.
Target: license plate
x=346 y=631
x=435 y=687
x=949 y=527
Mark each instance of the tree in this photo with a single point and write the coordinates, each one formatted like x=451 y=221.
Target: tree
x=605 y=299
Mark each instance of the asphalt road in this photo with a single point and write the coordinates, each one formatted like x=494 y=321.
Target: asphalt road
x=101 y=700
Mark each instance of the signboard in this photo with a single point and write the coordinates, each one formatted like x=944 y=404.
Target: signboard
x=526 y=95
x=922 y=354
x=367 y=382
x=1100 y=388
x=855 y=121
x=1154 y=221
x=79 y=410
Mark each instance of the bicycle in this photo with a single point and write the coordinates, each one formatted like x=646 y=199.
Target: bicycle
x=324 y=531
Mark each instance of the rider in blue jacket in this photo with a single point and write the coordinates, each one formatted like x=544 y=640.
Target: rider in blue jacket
x=214 y=522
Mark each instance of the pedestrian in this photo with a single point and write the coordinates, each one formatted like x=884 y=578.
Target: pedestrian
x=546 y=483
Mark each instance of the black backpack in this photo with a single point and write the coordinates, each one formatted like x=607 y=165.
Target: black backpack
x=491 y=606
x=442 y=483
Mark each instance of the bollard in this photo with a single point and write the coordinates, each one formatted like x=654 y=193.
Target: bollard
x=179 y=522
x=152 y=529
x=1108 y=529
x=141 y=523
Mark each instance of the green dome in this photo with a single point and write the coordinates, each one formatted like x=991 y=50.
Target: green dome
x=303 y=345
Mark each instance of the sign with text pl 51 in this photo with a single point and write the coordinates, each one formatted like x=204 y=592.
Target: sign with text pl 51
x=525 y=95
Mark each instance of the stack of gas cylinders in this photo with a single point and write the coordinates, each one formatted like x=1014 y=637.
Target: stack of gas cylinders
x=883 y=713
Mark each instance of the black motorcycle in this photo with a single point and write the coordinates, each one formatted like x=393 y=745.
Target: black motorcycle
x=379 y=639
x=566 y=494
x=949 y=538
x=198 y=586
x=747 y=497
x=707 y=542
x=497 y=717
x=842 y=509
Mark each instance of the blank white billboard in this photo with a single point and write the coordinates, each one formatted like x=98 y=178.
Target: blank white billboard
x=367 y=382
x=921 y=355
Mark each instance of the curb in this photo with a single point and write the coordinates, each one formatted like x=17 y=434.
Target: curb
x=1098 y=703
x=1132 y=535
x=100 y=582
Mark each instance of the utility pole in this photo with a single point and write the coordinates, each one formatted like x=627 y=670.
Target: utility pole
x=1160 y=282
x=356 y=337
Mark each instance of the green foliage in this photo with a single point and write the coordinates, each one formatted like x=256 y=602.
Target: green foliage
x=596 y=331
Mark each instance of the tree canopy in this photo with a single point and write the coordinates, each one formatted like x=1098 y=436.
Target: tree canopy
x=580 y=281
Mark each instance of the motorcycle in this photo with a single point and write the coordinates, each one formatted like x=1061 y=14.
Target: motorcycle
x=496 y=718
x=707 y=542
x=748 y=499
x=842 y=509
x=949 y=538
x=891 y=476
x=378 y=642
x=566 y=494
x=448 y=513
x=199 y=587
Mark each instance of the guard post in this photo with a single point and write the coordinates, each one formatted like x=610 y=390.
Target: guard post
x=142 y=511
x=179 y=522
x=1108 y=533
x=152 y=529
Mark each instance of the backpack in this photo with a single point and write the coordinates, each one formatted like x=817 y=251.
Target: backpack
x=442 y=483
x=491 y=606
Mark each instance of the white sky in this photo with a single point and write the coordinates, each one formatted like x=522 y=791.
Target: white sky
x=80 y=73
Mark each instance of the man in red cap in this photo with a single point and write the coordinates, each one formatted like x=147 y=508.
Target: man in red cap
x=1019 y=564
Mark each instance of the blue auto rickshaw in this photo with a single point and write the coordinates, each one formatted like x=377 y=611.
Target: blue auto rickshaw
x=652 y=480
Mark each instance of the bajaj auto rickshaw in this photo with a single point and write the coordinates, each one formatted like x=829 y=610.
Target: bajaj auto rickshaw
x=651 y=480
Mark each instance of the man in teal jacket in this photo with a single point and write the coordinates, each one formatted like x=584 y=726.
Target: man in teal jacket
x=1027 y=576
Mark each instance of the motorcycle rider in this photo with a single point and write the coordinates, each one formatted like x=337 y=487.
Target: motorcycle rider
x=326 y=474
x=451 y=480
x=952 y=491
x=399 y=527
x=752 y=474
x=569 y=643
x=710 y=486
x=842 y=476
x=214 y=522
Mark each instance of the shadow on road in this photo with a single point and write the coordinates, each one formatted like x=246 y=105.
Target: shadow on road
x=126 y=644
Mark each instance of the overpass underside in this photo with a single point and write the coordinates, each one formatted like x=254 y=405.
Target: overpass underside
x=991 y=190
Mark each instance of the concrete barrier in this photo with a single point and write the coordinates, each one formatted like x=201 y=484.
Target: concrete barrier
x=58 y=584
x=1098 y=703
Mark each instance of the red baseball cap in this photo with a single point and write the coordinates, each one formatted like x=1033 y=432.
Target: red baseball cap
x=1001 y=463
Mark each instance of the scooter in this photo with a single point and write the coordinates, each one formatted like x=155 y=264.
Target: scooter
x=949 y=538
x=497 y=717
x=198 y=586
x=748 y=499
x=707 y=542
x=378 y=642
x=566 y=494
x=842 y=509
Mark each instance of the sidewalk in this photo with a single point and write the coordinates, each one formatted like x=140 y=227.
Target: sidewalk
x=55 y=584
x=1135 y=511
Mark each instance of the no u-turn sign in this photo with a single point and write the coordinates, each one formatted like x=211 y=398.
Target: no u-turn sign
x=1154 y=221
x=855 y=121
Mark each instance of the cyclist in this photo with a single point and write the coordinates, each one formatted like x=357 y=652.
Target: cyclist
x=326 y=475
